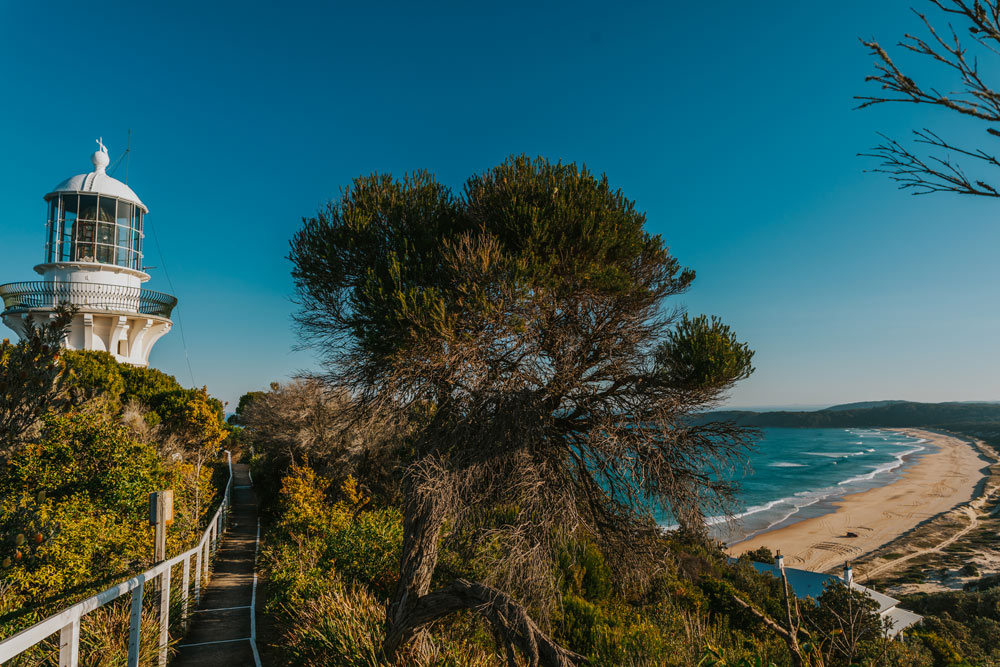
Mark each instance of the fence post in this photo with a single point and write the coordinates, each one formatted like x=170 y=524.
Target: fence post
x=185 y=583
x=135 y=625
x=164 y=615
x=69 y=644
x=197 y=578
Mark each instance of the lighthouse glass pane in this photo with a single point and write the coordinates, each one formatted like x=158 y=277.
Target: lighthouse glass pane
x=137 y=236
x=107 y=208
x=124 y=214
x=123 y=237
x=52 y=243
x=83 y=245
x=88 y=207
x=70 y=205
x=105 y=250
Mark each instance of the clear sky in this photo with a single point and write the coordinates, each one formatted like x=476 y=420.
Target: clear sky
x=730 y=123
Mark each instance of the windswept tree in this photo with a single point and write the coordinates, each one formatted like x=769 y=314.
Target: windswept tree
x=523 y=327
x=32 y=378
x=960 y=45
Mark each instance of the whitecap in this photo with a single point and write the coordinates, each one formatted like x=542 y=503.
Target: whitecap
x=884 y=468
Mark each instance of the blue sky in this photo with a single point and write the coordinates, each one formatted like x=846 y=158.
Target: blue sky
x=730 y=124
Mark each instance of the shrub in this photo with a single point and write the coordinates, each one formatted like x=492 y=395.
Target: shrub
x=340 y=627
x=363 y=547
x=89 y=454
x=94 y=373
x=583 y=571
x=969 y=570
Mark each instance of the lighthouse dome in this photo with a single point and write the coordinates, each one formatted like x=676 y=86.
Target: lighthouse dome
x=97 y=181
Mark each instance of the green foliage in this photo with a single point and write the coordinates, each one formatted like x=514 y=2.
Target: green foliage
x=143 y=384
x=98 y=373
x=991 y=581
x=342 y=627
x=969 y=570
x=959 y=627
x=245 y=400
x=360 y=547
x=612 y=634
x=847 y=624
x=564 y=227
x=370 y=268
x=367 y=549
x=74 y=491
x=95 y=372
x=702 y=353
x=32 y=378
x=760 y=555
x=714 y=658
x=330 y=570
x=79 y=497
x=89 y=455
x=177 y=408
x=524 y=315
x=339 y=627
x=376 y=251
x=583 y=571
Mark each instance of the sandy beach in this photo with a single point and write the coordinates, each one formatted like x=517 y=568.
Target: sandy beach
x=934 y=483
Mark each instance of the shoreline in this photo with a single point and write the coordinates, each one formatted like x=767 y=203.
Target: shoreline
x=857 y=524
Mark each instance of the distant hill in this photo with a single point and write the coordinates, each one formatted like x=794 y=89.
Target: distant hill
x=862 y=405
x=870 y=414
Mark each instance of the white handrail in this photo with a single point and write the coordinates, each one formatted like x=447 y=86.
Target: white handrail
x=67 y=621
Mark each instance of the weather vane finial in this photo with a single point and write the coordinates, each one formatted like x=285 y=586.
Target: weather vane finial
x=100 y=142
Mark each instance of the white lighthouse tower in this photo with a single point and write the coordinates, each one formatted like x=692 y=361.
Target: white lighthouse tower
x=93 y=260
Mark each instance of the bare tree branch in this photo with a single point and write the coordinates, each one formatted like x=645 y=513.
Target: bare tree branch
x=930 y=174
x=973 y=97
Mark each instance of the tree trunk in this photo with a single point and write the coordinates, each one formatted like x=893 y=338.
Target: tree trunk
x=413 y=607
x=509 y=622
x=423 y=518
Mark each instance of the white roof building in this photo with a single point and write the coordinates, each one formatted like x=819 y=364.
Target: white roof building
x=805 y=583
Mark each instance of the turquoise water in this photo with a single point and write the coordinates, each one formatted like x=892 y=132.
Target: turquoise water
x=798 y=473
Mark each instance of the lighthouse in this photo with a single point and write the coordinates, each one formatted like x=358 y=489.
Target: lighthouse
x=93 y=261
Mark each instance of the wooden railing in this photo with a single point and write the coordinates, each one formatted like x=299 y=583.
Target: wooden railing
x=67 y=621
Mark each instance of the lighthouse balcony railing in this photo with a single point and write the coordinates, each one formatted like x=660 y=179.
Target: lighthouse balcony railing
x=40 y=294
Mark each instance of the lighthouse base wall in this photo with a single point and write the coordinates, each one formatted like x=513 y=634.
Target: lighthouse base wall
x=128 y=337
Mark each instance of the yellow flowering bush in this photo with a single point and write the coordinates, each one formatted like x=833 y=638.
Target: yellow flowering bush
x=360 y=546
x=74 y=513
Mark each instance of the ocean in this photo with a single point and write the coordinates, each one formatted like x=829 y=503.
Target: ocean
x=797 y=473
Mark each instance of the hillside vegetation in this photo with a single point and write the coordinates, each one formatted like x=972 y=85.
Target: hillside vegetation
x=887 y=414
x=95 y=437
